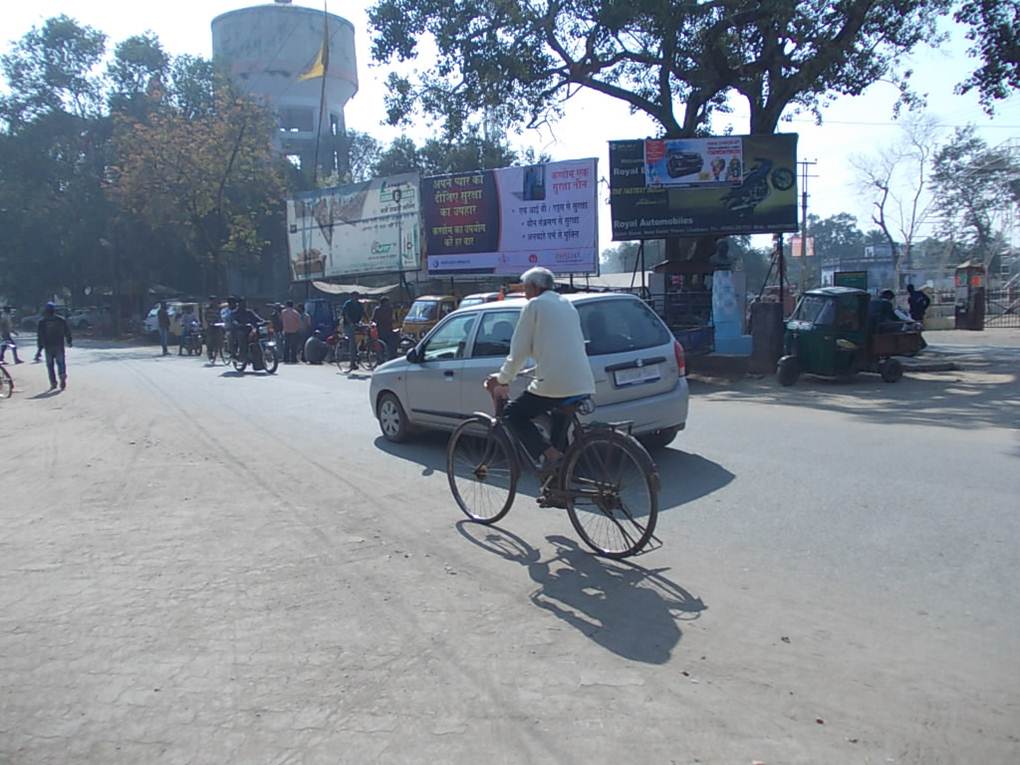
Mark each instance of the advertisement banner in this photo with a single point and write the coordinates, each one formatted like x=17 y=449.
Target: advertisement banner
x=508 y=220
x=682 y=201
x=694 y=162
x=362 y=228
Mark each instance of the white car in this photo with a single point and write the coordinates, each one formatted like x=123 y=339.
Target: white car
x=639 y=368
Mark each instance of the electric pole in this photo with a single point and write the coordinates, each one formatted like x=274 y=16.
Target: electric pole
x=805 y=166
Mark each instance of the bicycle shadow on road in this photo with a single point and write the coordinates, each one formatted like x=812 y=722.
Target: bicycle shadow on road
x=630 y=610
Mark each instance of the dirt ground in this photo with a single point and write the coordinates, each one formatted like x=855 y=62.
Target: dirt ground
x=198 y=568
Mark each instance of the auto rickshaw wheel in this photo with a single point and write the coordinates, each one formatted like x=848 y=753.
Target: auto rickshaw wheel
x=788 y=370
x=891 y=370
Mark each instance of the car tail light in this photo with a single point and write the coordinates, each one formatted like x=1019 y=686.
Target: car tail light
x=681 y=361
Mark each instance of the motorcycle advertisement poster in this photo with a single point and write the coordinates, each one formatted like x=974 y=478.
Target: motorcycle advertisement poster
x=763 y=200
x=507 y=220
x=361 y=228
x=694 y=162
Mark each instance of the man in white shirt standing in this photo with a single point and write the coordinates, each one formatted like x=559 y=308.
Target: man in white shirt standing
x=548 y=332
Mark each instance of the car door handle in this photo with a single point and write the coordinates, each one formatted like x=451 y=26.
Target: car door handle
x=448 y=373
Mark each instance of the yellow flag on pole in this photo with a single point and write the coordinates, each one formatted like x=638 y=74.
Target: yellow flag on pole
x=321 y=63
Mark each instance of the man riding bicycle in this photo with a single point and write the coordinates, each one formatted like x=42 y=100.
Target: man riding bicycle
x=549 y=333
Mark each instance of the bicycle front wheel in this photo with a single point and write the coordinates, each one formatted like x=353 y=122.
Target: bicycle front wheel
x=6 y=383
x=612 y=492
x=482 y=469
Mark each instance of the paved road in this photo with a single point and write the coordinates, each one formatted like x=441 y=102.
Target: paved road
x=197 y=567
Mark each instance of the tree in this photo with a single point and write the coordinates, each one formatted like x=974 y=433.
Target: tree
x=619 y=259
x=209 y=180
x=139 y=66
x=994 y=30
x=898 y=179
x=836 y=238
x=52 y=146
x=51 y=70
x=676 y=61
x=975 y=187
x=439 y=157
x=529 y=58
x=363 y=155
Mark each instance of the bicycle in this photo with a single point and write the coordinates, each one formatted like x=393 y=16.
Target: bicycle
x=6 y=382
x=483 y=465
x=371 y=351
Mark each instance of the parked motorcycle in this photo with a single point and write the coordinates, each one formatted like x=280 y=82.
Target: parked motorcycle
x=261 y=352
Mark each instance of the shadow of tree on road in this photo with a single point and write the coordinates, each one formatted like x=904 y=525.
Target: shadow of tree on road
x=981 y=395
x=627 y=609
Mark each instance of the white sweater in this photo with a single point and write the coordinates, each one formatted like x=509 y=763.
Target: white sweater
x=549 y=332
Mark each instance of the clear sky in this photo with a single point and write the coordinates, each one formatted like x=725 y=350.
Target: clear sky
x=851 y=125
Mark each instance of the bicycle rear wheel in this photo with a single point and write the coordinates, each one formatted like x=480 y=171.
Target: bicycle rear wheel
x=6 y=383
x=612 y=492
x=482 y=470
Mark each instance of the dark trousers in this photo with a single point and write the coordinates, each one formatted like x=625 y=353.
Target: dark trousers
x=56 y=356
x=351 y=330
x=291 y=341
x=520 y=414
x=8 y=342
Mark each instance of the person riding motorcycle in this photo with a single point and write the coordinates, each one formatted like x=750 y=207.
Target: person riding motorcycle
x=243 y=321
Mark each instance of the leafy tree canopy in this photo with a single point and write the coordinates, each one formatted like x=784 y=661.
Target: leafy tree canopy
x=675 y=60
x=994 y=30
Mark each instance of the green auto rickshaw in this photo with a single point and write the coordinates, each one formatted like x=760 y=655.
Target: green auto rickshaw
x=833 y=333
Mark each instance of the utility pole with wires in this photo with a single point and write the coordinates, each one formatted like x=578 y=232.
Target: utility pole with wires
x=805 y=166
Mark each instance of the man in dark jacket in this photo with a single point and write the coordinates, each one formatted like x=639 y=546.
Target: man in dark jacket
x=52 y=333
x=353 y=312
x=918 y=303
x=383 y=318
x=163 y=317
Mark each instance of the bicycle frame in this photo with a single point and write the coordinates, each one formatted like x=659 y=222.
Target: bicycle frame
x=580 y=436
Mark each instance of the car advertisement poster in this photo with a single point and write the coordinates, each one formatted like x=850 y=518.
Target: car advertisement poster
x=363 y=228
x=694 y=162
x=762 y=200
x=508 y=220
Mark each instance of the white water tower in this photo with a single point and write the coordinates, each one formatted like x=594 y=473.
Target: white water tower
x=267 y=48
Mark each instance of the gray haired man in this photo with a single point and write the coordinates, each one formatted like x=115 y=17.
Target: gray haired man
x=549 y=332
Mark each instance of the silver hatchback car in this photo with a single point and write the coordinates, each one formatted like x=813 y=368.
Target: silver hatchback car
x=639 y=368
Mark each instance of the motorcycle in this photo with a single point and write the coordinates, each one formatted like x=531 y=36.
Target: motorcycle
x=191 y=339
x=261 y=351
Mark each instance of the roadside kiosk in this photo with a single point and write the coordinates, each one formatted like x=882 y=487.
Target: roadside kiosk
x=970 y=296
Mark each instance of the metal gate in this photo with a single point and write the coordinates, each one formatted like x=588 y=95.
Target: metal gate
x=1002 y=307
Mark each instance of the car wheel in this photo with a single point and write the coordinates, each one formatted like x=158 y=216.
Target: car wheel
x=392 y=418
x=658 y=439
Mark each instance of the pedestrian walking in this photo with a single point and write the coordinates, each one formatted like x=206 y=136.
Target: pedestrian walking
x=352 y=312
x=292 y=329
x=163 y=317
x=6 y=335
x=918 y=303
x=53 y=332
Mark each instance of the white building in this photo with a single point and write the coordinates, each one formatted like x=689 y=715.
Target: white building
x=267 y=48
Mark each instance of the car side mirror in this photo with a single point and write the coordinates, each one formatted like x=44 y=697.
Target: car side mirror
x=412 y=356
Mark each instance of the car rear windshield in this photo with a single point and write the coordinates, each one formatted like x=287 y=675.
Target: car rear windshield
x=617 y=326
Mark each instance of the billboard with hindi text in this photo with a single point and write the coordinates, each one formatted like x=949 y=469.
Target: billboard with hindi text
x=505 y=221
